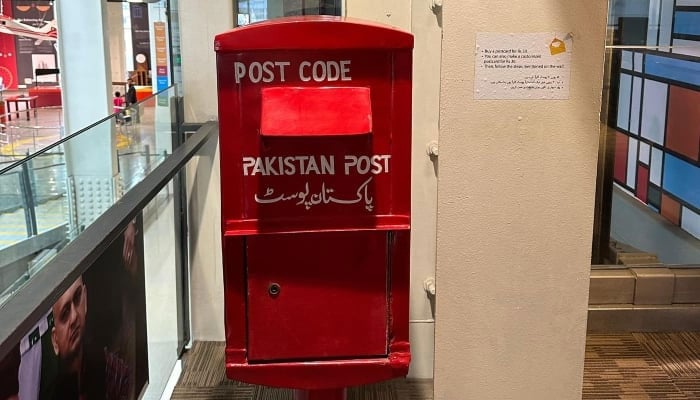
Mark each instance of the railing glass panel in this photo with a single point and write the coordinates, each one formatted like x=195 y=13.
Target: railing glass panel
x=53 y=187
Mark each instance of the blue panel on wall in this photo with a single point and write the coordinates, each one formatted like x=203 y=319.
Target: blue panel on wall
x=673 y=68
x=687 y=23
x=682 y=180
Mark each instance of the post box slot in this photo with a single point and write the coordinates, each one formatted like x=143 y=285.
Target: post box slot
x=316 y=111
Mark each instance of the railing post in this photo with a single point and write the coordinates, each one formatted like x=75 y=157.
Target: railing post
x=147 y=149
x=28 y=201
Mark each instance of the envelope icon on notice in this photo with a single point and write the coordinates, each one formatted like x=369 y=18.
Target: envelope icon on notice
x=557 y=47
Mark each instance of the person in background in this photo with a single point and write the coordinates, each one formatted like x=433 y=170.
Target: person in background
x=130 y=93
x=119 y=107
x=131 y=100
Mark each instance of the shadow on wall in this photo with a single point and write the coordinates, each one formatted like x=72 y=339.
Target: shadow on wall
x=199 y=193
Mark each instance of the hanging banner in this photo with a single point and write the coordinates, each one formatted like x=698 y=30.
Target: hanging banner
x=141 y=42
x=162 y=81
x=35 y=37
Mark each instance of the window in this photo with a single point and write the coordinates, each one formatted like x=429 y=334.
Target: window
x=250 y=11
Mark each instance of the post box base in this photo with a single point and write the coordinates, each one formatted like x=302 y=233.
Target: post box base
x=320 y=375
x=321 y=394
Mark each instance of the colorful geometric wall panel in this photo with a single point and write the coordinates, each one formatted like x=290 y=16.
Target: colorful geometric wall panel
x=620 y=169
x=690 y=222
x=681 y=179
x=654 y=197
x=654 y=111
x=683 y=126
x=644 y=153
x=681 y=3
x=632 y=163
x=636 y=104
x=657 y=155
x=639 y=62
x=676 y=69
x=687 y=47
x=626 y=60
x=665 y=21
x=671 y=209
x=623 y=109
x=657 y=160
x=642 y=183
x=687 y=23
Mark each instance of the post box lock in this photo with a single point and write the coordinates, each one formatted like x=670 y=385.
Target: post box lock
x=274 y=289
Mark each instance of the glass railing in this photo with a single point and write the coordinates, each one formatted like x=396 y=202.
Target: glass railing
x=24 y=133
x=53 y=187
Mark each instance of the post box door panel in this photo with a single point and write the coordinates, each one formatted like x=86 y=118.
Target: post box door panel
x=317 y=295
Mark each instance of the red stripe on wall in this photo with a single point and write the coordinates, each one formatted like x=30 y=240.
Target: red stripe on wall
x=621 y=148
x=642 y=182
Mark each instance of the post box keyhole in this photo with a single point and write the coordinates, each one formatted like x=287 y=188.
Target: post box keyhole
x=274 y=289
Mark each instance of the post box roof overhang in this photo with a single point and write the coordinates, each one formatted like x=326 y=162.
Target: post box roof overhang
x=320 y=33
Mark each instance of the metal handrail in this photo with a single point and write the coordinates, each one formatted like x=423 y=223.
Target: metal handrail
x=65 y=139
x=25 y=307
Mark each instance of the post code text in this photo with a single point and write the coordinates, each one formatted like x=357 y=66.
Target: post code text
x=279 y=71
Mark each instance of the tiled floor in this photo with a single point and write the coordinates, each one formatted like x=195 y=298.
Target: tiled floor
x=617 y=366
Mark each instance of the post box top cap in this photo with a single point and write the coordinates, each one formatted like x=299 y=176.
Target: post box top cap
x=313 y=33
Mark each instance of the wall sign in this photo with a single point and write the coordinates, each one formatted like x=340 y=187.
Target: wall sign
x=522 y=66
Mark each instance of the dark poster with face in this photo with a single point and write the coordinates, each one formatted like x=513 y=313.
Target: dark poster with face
x=34 y=52
x=92 y=343
x=140 y=37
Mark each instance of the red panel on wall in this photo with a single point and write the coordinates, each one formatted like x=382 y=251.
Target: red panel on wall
x=621 y=149
x=683 y=122
x=642 y=182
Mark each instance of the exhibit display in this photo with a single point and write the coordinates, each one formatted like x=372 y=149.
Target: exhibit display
x=315 y=117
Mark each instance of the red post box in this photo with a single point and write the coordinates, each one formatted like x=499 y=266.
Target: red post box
x=315 y=141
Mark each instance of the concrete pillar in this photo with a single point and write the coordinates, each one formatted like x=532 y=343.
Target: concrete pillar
x=86 y=94
x=515 y=211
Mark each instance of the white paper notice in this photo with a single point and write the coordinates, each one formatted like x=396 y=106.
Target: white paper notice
x=522 y=66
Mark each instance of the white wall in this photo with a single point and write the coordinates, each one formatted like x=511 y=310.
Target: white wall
x=199 y=23
x=515 y=212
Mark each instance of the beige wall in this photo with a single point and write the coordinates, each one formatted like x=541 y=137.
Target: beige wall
x=418 y=18
x=515 y=212
x=117 y=51
x=200 y=21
